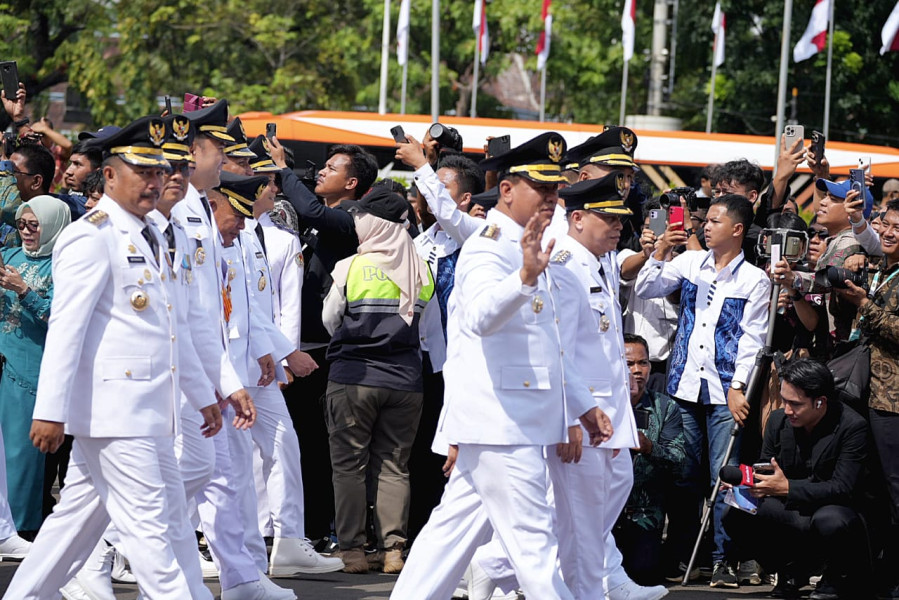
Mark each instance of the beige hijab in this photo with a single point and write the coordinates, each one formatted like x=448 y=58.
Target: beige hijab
x=389 y=246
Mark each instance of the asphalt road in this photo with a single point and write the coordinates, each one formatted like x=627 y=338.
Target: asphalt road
x=377 y=586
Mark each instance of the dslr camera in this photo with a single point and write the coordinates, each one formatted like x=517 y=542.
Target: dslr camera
x=694 y=202
x=835 y=278
x=793 y=244
x=446 y=136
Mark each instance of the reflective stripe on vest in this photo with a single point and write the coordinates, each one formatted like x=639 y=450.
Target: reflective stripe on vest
x=369 y=290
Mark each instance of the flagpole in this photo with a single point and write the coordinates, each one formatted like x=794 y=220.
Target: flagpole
x=474 y=79
x=543 y=94
x=623 y=93
x=385 y=55
x=782 y=78
x=829 y=71
x=711 y=107
x=435 y=60
x=405 y=76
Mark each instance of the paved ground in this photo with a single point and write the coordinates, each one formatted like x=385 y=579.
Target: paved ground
x=340 y=586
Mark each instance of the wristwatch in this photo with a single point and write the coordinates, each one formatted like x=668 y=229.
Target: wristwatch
x=738 y=385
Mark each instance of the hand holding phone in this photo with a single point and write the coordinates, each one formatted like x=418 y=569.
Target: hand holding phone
x=9 y=74
x=399 y=136
x=864 y=163
x=658 y=221
x=676 y=217
x=857 y=176
x=793 y=133
x=817 y=145
x=498 y=145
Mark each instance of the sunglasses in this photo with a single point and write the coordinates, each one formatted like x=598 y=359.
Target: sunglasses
x=821 y=235
x=32 y=226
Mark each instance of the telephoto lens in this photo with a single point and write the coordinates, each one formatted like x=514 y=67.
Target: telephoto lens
x=835 y=277
x=446 y=136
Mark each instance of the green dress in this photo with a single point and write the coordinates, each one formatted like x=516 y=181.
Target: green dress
x=23 y=330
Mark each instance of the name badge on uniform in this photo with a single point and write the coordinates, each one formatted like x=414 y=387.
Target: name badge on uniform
x=194 y=220
x=137 y=260
x=259 y=255
x=596 y=290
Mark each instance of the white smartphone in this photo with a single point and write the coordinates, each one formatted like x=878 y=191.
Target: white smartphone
x=864 y=163
x=793 y=133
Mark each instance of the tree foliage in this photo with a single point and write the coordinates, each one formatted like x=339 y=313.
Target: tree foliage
x=286 y=55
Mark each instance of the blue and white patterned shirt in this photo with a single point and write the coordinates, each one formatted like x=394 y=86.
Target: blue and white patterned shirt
x=722 y=323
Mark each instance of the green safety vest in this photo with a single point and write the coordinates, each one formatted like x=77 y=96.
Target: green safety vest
x=369 y=290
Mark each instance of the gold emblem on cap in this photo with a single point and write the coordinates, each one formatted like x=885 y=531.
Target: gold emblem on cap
x=627 y=141
x=537 y=303
x=180 y=128
x=266 y=145
x=157 y=133
x=139 y=300
x=554 y=147
x=261 y=282
x=200 y=256
x=620 y=185
x=260 y=189
x=243 y=132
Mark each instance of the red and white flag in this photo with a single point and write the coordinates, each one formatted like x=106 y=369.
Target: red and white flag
x=479 y=24
x=402 y=34
x=628 y=17
x=545 y=36
x=718 y=26
x=814 y=39
x=890 y=33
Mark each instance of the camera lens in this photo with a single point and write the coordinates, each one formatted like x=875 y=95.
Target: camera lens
x=436 y=130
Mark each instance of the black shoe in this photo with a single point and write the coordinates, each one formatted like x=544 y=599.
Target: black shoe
x=889 y=593
x=677 y=575
x=723 y=576
x=787 y=587
x=825 y=591
x=749 y=573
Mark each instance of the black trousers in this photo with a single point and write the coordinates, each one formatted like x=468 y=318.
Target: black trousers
x=885 y=434
x=786 y=541
x=305 y=402
x=641 y=551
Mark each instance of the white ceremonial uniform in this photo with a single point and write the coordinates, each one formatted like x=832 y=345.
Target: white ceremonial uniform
x=123 y=416
x=279 y=476
x=433 y=244
x=510 y=391
x=218 y=501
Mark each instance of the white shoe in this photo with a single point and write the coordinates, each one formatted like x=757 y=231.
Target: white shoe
x=631 y=591
x=121 y=573
x=73 y=591
x=274 y=589
x=480 y=586
x=461 y=592
x=252 y=590
x=208 y=568
x=95 y=577
x=14 y=548
x=291 y=556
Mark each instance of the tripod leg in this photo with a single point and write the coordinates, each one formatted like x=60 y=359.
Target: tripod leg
x=710 y=504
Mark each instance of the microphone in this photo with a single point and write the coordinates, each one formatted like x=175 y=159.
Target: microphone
x=742 y=475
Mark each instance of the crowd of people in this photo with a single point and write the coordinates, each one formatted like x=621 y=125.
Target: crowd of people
x=525 y=366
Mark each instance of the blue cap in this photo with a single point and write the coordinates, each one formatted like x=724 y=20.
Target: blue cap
x=840 y=189
x=101 y=134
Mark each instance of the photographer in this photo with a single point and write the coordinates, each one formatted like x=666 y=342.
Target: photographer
x=879 y=321
x=808 y=508
x=833 y=216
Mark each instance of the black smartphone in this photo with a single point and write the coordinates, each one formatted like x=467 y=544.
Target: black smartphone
x=9 y=73
x=499 y=145
x=857 y=176
x=271 y=130
x=399 y=136
x=817 y=145
x=763 y=468
x=9 y=144
x=641 y=416
x=168 y=105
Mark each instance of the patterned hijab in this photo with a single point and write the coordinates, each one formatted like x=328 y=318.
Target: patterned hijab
x=53 y=214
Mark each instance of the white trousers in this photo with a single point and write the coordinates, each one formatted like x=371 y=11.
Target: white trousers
x=218 y=505
x=622 y=480
x=241 y=444
x=278 y=474
x=492 y=488
x=7 y=524
x=134 y=482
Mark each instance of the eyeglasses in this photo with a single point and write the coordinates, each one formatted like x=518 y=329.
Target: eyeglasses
x=32 y=226
x=24 y=173
x=821 y=235
x=180 y=167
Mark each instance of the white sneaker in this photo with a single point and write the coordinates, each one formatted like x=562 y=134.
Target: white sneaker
x=631 y=591
x=73 y=591
x=252 y=590
x=274 y=589
x=461 y=592
x=480 y=586
x=120 y=572
x=208 y=568
x=14 y=548
x=291 y=556
x=95 y=577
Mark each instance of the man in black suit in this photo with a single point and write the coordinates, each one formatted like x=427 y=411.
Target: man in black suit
x=809 y=508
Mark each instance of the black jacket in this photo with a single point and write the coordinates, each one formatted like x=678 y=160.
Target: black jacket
x=824 y=467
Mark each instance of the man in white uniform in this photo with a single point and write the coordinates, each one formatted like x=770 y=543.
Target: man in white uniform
x=511 y=391
x=109 y=292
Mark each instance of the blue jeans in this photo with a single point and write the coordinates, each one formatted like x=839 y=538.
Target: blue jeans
x=706 y=423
